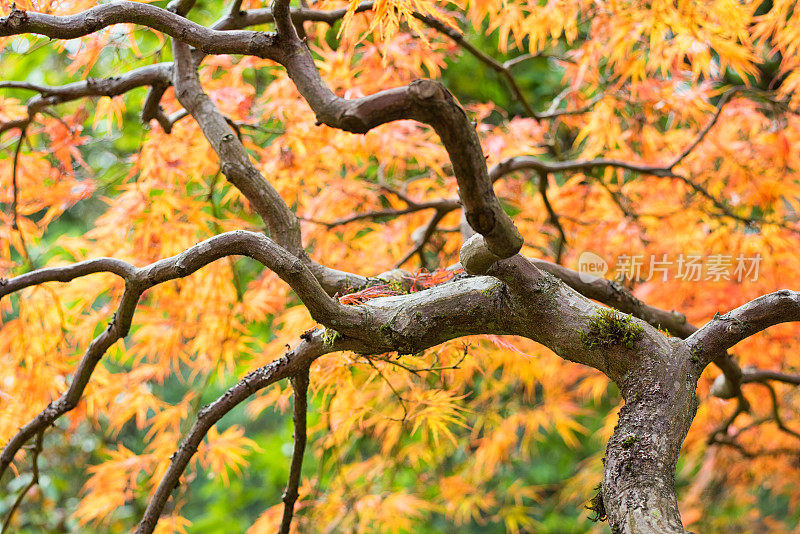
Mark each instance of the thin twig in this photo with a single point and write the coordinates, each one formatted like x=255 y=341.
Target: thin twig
x=34 y=480
x=15 y=197
x=776 y=411
x=445 y=205
x=394 y=391
x=553 y=216
x=300 y=385
x=501 y=68
x=428 y=231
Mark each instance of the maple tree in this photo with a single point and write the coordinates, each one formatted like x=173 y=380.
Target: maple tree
x=308 y=209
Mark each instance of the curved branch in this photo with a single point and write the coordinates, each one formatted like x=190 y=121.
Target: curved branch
x=323 y=308
x=295 y=361
x=529 y=162
x=67 y=273
x=518 y=163
x=759 y=375
x=151 y=109
x=117 y=329
x=159 y=73
x=553 y=216
x=234 y=160
x=425 y=101
x=427 y=233
x=152 y=75
x=254 y=17
x=37 y=449
x=210 y=41
x=724 y=331
x=619 y=297
x=445 y=206
x=181 y=7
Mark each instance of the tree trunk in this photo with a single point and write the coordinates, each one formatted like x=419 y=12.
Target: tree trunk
x=638 y=490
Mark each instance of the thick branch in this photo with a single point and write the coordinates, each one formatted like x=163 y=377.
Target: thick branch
x=425 y=101
x=617 y=296
x=67 y=273
x=724 y=331
x=153 y=75
x=758 y=375
x=234 y=160
x=210 y=41
x=254 y=17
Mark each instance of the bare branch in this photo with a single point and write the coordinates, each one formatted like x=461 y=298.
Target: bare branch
x=776 y=413
x=293 y=362
x=427 y=232
x=300 y=386
x=555 y=113
x=758 y=375
x=15 y=196
x=153 y=75
x=254 y=17
x=117 y=328
x=529 y=162
x=553 y=216
x=234 y=160
x=724 y=331
x=504 y=69
x=209 y=41
x=34 y=481
x=518 y=163
x=423 y=100
x=152 y=108
x=445 y=206
x=66 y=274
x=181 y=7
x=726 y=97
x=285 y=265
x=721 y=432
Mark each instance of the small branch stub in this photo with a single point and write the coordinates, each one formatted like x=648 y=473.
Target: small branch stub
x=476 y=256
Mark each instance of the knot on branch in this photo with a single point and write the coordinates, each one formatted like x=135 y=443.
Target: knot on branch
x=15 y=19
x=262 y=44
x=481 y=221
x=723 y=388
x=92 y=23
x=184 y=33
x=476 y=257
x=678 y=316
x=423 y=89
x=352 y=122
x=735 y=325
